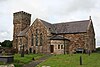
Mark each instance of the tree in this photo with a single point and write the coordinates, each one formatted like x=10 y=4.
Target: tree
x=98 y=49
x=6 y=43
x=0 y=43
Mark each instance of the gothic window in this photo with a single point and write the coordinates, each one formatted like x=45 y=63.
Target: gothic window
x=32 y=41
x=36 y=37
x=41 y=40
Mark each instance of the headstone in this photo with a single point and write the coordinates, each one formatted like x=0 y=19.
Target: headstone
x=6 y=59
x=33 y=58
x=22 y=53
x=26 y=51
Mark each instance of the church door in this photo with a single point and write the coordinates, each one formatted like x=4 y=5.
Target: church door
x=52 y=48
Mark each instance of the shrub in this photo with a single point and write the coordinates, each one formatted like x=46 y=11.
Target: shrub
x=98 y=49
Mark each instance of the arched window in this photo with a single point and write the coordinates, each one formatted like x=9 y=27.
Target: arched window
x=58 y=46
x=32 y=40
x=41 y=40
x=61 y=46
x=36 y=37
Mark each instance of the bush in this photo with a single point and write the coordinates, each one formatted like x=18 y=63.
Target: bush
x=2 y=63
x=98 y=49
x=6 y=43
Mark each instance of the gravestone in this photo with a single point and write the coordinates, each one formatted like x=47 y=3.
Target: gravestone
x=26 y=51
x=34 y=51
x=6 y=59
x=22 y=53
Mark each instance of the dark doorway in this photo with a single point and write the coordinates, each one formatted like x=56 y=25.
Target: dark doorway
x=34 y=52
x=52 y=48
x=30 y=50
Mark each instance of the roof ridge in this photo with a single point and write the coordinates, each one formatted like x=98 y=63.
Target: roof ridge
x=44 y=21
x=58 y=37
x=71 y=22
x=23 y=32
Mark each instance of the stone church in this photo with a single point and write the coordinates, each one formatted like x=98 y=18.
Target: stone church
x=44 y=37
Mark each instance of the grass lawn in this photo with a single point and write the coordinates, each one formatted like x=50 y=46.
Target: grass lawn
x=72 y=60
x=19 y=61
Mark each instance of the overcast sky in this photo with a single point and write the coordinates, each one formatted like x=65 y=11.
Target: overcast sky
x=53 y=11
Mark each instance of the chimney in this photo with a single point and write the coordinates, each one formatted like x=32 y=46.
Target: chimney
x=90 y=18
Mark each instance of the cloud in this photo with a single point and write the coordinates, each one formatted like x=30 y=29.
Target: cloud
x=5 y=35
x=81 y=5
x=3 y=0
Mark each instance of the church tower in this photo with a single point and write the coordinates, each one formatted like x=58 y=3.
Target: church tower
x=21 y=20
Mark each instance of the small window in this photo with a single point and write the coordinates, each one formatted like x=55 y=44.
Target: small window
x=58 y=46
x=61 y=46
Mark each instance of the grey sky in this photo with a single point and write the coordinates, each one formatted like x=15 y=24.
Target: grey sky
x=53 y=11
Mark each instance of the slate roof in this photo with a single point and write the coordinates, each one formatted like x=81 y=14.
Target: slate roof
x=72 y=27
x=58 y=37
x=60 y=28
x=68 y=27
x=48 y=25
x=23 y=33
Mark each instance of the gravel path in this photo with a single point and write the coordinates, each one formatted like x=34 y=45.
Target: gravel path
x=36 y=62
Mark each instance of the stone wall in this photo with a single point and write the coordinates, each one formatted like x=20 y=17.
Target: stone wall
x=82 y=40
x=77 y=40
x=41 y=29
x=22 y=41
x=21 y=20
x=91 y=37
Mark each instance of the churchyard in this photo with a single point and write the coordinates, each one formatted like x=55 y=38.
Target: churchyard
x=67 y=60
x=72 y=60
x=20 y=61
x=62 y=60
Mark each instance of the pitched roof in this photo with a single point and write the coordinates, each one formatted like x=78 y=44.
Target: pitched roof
x=48 y=25
x=59 y=28
x=58 y=37
x=72 y=27
x=67 y=27
x=23 y=33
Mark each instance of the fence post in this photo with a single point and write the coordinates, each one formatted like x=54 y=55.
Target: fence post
x=80 y=60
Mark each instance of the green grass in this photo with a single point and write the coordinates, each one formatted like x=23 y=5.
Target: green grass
x=19 y=61
x=2 y=63
x=72 y=60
